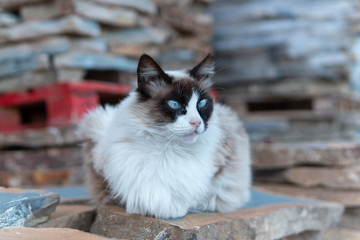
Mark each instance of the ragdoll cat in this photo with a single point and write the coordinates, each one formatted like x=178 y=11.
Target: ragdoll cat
x=168 y=148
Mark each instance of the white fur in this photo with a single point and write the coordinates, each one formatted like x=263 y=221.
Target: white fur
x=158 y=171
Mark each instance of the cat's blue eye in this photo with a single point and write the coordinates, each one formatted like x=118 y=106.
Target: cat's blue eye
x=202 y=103
x=173 y=104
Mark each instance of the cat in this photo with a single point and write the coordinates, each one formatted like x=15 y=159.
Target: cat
x=167 y=148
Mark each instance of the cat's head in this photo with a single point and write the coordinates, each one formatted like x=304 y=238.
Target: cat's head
x=177 y=103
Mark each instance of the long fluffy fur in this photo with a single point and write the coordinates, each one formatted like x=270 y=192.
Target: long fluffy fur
x=150 y=174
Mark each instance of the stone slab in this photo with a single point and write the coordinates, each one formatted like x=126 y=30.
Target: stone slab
x=8 y=19
x=73 y=216
x=347 y=178
x=345 y=197
x=98 y=61
x=67 y=25
x=351 y=218
x=340 y=233
x=49 y=136
x=281 y=155
x=24 y=233
x=262 y=219
x=20 y=207
x=144 y=6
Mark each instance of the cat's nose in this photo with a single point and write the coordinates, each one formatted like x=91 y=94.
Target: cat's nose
x=195 y=123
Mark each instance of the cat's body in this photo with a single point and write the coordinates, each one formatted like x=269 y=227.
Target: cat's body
x=161 y=158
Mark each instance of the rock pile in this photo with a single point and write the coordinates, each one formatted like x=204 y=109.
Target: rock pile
x=46 y=41
x=70 y=40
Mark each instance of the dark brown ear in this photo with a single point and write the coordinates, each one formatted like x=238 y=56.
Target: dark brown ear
x=205 y=69
x=150 y=74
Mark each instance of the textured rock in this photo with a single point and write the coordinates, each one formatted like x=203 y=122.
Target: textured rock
x=281 y=155
x=346 y=197
x=25 y=207
x=71 y=216
x=67 y=25
x=23 y=233
x=260 y=222
x=81 y=60
x=331 y=178
x=50 y=136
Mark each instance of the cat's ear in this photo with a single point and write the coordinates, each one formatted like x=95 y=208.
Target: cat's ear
x=150 y=75
x=204 y=70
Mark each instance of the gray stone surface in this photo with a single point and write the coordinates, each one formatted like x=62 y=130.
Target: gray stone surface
x=25 y=207
x=25 y=233
x=66 y=25
x=281 y=155
x=145 y=6
x=268 y=218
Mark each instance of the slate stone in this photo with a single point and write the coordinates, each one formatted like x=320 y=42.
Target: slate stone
x=37 y=29
x=25 y=233
x=25 y=207
x=144 y=6
x=73 y=216
x=99 y=61
x=8 y=19
x=261 y=219
x=347 y=178
x=281 y=155
x=346 y=197
x=49 y=136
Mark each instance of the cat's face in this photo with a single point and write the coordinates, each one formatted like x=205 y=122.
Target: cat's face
x=176 y=104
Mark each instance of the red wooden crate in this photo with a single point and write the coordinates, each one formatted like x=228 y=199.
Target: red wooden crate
x=55 y=104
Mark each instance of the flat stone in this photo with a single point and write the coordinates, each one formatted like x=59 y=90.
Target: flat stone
x=115 y=16
x=281 y=155
x=144 y=6
x=71 y=216
x=331 y=178
x=340 y=233
x=266 y=217
x=138 y=36
x=24 y=233
x=188 y=23
x=8 y=19
x=99 y=61
x=49 y=136
x=20 y=207
x=346 y=197
x=67 y=25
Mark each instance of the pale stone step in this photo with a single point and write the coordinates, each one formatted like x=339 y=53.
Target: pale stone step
x=266 y=217
x=341 y=178
x=49 y=136
x=282 y=155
